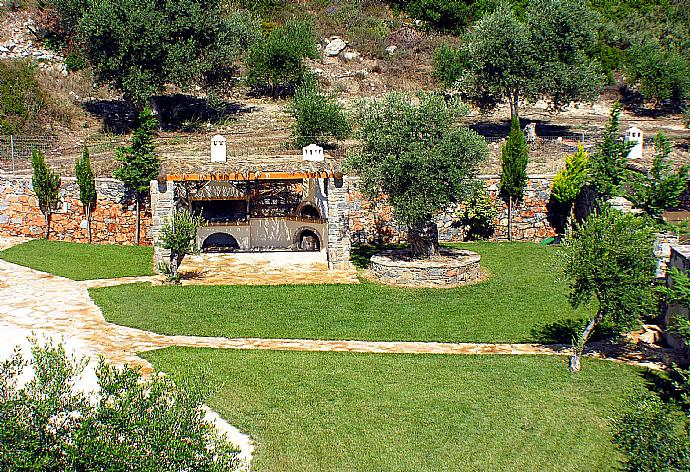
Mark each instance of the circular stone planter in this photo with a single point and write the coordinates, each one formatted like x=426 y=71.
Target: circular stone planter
x=452 y=268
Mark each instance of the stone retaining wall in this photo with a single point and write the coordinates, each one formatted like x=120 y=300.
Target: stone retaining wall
x=113 y=222
x=456 y=267
x=373 y=222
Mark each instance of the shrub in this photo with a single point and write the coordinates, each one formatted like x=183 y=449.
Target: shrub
x=660 y=188
x=21 y=98
x=319 y=118
x=648 y=432
x=608 y=162
x=450 y=15
x=477 y=213
x=75 y=61
x=275 y=63
x=133 y=424
x=448 y=64
x=569 y=182
x=660 y=73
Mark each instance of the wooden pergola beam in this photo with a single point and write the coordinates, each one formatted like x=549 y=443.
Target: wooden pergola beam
x=268 y=175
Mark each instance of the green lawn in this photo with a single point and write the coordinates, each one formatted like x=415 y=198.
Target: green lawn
x=521 y=293
x=342 y=411
x=82 y=261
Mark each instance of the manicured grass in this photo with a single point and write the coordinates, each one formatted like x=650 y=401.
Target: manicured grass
x=521 y=293
x=341 y=411
x=82 y=261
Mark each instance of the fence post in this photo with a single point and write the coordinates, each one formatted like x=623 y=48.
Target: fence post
x=12 y=150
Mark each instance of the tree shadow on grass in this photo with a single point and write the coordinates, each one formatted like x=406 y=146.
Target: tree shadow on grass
x=564 y=331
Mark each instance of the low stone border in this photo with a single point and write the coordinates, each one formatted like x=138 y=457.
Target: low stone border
x=453 y=268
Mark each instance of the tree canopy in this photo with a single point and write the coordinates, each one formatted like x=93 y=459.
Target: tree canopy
x=608 y=162
x=549 y=55
x=417 y=156
x=138 y=46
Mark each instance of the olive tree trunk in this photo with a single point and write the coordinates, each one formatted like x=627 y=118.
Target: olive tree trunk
x=423 y=239
x=579 y=346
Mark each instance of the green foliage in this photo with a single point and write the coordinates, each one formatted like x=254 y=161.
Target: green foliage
x=85 y=180
x=661 y=188
x=477 y=213
x=514 y=156
x=69 y=14
x=139 y=46
x=87 y=186
x=548 y=55
x=75 y=61
x=134 y=424
x=448 y=64
x=679 y=291
x=416 y=155
x=275 y=63
x=21 y=98
x=569 y=182
x=178 y=235
x=46 y=186
x=140 y=163
x=319 y=118
x=608 y=163
x=648 y=432
x=449 y=15
x=611 y=257
x=659 y=73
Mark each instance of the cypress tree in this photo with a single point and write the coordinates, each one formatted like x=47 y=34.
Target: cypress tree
x=514 y=169
x=46 y=185
x=87 y=187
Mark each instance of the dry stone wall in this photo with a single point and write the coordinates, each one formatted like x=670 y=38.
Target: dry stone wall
x=373 y=221
x=113 y=222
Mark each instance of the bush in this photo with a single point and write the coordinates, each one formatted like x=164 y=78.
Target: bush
x=661 y=74
x=661 y=188
x=449 y=15
x=178 y=236
x=448 y=64
x=275 y=64
x=648 y=432
x=477 y=214
x=133 y=424
x=319 y=118
x=75 y=61
x=21 y=98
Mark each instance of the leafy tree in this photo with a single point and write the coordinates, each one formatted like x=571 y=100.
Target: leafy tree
x=661 y=188
x=275 y=64
x=319 y=118
x=569 y=182
x=514 y=157
x=659 y=73
x=608 y=163
x=133 y=424
x=87 y=187
x=419 y=157
x=139 y=46
x=178 y=236
x=610 y=257
x=548 y=55
x=140 y=163
x=46 y=185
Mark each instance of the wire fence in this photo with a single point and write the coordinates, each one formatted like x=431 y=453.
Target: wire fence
x=546 y=156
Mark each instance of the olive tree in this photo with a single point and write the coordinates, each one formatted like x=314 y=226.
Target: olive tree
x=140 y=46
x=610 y=257
x=178 y=235
x=418 y=157
x=549 y=55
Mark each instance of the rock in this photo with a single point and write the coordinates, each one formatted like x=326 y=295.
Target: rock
x=391 y=49
x=334 y=47
x=621 y=204
x=4 y=49
x=350 y=56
